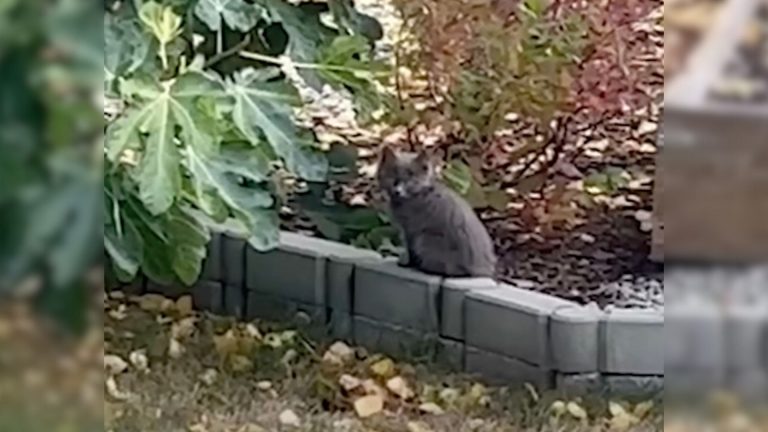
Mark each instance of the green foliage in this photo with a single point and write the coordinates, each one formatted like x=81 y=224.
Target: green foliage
x=206 y=125
x=524 y=68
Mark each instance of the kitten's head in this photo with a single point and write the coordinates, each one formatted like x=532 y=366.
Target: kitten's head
x=404 y=175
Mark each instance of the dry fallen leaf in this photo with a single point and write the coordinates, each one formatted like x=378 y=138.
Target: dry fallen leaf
x=371 y=387
x=367 y=406
x=114 y=392
x=226 y=344
x=384 y=368
x=175 y=349
x=184 y=305
x=114 y=364
x=398 y=386
x=576 y=411
x=155 y=303
x=349 y=382
x=642 y=409
x=183 y=328
x=139 y=360
x=418 y=427
x=240 y=363
x=558 y=408
x=449 y=395
x=264 y=385
x=118 y=314
x=339 y=353
x=431 y=408
x=209 y=376
x=289 y=418
x=251 y=427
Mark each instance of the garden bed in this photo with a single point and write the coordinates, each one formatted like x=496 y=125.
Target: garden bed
x=504 y=333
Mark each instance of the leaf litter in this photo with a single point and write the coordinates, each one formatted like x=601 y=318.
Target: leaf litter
x=233 y=376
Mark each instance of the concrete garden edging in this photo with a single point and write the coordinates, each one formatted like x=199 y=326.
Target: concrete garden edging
x=503 y=333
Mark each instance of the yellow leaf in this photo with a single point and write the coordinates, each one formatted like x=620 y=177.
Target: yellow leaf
x=383 y=368
x=184 y=305
x=532 y=392
x=398 y=386
x=367 y=406
x=622 y=422
x=642 y=409
x=226 y=344
x=558 y=408
x=431 y=408
x=616 y=409
x=155 y=303
x=449 y=395
x=576 y=410
x=418 y=427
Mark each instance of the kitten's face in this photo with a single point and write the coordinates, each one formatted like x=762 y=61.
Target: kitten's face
x=404 y=175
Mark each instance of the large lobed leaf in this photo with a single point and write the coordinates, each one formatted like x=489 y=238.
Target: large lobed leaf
x=237 y=14
x=161 y=108
x=264 y=107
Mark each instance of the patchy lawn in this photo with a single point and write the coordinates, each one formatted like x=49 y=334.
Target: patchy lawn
x=169 y=369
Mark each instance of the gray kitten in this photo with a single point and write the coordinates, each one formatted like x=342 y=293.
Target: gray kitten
x=442 y=233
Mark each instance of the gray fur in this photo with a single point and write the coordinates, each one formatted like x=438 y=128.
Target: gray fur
x=442 y=233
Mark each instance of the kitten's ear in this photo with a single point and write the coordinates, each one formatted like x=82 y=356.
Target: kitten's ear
x=424 y=158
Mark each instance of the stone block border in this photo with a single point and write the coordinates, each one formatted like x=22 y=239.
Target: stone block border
x=503 y=333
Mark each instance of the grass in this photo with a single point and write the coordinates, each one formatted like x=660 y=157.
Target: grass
x=227 y=376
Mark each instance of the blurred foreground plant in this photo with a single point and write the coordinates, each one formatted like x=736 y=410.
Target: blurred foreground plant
x=50 y=137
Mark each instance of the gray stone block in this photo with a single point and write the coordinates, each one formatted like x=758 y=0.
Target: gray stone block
x=511 y=322
x=311 y=270
x=694 y=336
x=287 y=274
x=632 y=342
x=574 y=339
x=451 y=354
x=501 y=370
x=340 y=324
x=212 y=262
x=137 y=286
x=386 y=292
x=746 y=327
x=207 y=296
x=280 y=309
x=233 y=261
x=171 y=291
x=636 y=386
x=234 y=301
x=454 y=292
x=393 y=340
x=579 y=384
